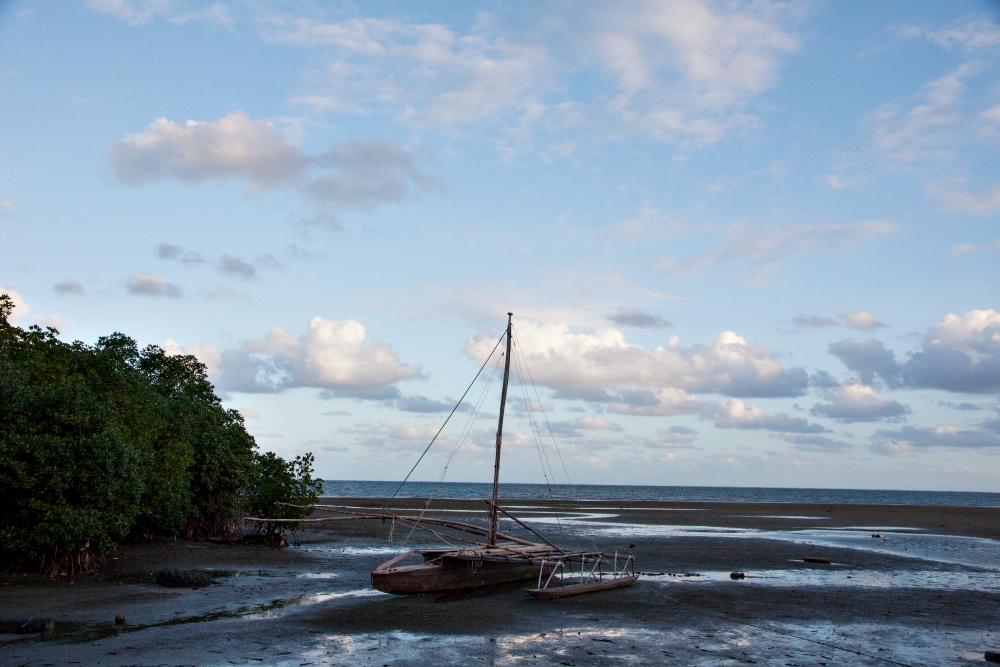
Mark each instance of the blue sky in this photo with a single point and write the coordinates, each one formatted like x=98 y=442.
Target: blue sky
x=746 y=244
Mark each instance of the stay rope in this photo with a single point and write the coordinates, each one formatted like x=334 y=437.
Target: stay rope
x=572 y=490
x=463 y=436
x=426 y=449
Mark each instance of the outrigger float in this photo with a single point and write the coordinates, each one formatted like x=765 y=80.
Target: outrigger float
x=494 y=558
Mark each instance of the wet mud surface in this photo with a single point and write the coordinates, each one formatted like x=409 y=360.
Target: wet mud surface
x=918 y=596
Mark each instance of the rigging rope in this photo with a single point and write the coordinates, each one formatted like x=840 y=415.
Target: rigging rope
x=572 y=491
x=463 y=436
x=543 y=458
x=426 y=449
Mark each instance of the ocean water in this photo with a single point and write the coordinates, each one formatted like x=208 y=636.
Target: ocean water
x=727 y=494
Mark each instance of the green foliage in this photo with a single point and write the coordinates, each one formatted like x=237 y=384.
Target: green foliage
x=101 y=442
x=275 y=480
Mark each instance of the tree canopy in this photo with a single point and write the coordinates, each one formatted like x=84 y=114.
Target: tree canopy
x=106 y=441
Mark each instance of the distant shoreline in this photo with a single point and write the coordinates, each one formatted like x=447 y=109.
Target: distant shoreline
x=636 y=493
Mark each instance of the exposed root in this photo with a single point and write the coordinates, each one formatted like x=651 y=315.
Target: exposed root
x=81 y=560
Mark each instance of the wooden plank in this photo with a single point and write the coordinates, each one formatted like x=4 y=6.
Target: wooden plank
x=556 y=592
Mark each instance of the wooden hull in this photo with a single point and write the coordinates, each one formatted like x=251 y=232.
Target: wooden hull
x=450 y=574
x=556 y=592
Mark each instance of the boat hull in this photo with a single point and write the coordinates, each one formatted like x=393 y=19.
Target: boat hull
x=450 y=574
x=556 y=592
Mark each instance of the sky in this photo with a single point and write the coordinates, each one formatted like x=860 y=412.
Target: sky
x=745 y=243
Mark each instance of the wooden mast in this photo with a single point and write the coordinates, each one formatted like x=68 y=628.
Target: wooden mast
x=494 y=517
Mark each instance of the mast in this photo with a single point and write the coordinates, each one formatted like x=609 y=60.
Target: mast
x=494 y=518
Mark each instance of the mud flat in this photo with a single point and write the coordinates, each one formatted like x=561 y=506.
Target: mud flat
x=928 y=593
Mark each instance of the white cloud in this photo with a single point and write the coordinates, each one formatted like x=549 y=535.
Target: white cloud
x=959 y=201
x=737 y=414
x=236 y=146
x=175 y=253
x=756 y=256
x=401 y=437
x=22 y=309
x=858 y=403
x=236 y=266
x=727 y=364
x=681 y=71
x=809 y=442
x=959 y=250
x=813 y=322
x=205 y=353
x=332 y=355
x=68 y=287
x=353 y=173
x=53 y=321
x=674 y=437
x=661 y=402
x=924 y=127
x=838 y=183
x=593 y=422
x=960 y=353
x=426 y=74
x=636 y=317
x=138 y=12
x=143 y=284
x=971 y=33
x=649 y=224
x=860 y=319
x=686 y=70
x=910 y=438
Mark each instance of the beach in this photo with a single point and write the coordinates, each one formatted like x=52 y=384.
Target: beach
x=927 y=593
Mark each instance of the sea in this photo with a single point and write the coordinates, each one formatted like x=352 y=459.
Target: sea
x=710 y=494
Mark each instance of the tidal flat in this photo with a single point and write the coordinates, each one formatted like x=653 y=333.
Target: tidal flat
x=927 y=593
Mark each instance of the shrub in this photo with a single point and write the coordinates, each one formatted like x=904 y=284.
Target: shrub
x=274 y=485
x=100 y=442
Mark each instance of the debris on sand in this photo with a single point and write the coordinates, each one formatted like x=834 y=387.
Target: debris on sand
x=30 y=626
x=737 y=575
x=183 y=579
x=880 y=536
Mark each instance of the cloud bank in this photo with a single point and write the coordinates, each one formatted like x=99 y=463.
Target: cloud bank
x=334 y=356
x=727 y=365
x=961 y=353
x=358 y=174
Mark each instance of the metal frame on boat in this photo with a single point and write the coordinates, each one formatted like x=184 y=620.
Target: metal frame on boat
x=592 y=576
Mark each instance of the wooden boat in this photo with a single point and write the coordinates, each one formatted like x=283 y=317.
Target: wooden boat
x=494 y=558
x=502 y=559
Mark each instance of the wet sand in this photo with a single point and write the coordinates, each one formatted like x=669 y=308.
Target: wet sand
x=927 y=594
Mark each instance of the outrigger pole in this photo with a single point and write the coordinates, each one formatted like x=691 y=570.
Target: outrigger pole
x=494 y=517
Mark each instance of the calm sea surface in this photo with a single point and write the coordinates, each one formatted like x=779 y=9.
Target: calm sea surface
x=729 y=494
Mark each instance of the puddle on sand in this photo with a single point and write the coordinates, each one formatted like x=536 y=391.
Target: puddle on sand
x=970 y=551
x=779 y=516
x=589 y=644
x=357 y=551
x=842 y=578
x=74 y=632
